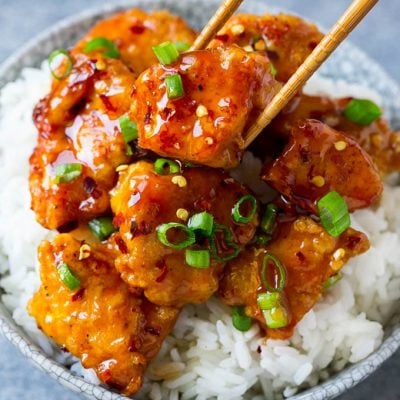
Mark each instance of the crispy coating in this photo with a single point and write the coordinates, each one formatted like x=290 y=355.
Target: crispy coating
x=110 y=327
x=310 y=256
x=225 y=89
x=135 y=32
x=318 y=160
x=287 y=39
x=377 y=139
x=78 y=123
x=142 y=201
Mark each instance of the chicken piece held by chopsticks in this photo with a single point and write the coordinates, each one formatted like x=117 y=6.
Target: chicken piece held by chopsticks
x=197 y=108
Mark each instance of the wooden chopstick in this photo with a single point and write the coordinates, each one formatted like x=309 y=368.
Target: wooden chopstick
x=349 y=20
x=224 y=12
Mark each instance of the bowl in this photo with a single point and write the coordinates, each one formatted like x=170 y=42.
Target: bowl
x=348 y=63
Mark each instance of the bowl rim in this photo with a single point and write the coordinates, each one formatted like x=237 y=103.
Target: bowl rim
x=335 y=385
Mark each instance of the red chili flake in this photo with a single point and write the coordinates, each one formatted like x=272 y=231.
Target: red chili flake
x=163 y=274
x=135 y=344
x=147 y=117
x=223 y=38
x=152 y=330
x=78 y=295
x=118 y=220
x=134 y=90
x=137 y=29
x=121 y=245
x=89 y=185
x=107 y=103
x=300 y=256
x=352 y=242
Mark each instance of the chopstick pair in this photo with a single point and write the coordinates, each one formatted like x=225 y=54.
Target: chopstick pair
x=346 y=23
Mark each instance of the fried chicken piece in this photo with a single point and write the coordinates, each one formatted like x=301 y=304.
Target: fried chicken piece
x=288 y=40
x=310 y=256
x=377 y=139
x=224 y=90
x=109 y=326
x=135 y=32
x=143 y=200
x=318 y=160
x=78 y=123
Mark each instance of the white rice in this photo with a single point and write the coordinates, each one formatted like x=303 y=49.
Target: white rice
x=205 y=357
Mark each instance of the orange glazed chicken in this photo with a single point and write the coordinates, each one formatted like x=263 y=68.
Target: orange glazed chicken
x=284 y=280
x=85 y=307
x=135 y=31
x=198 y=107
x=155 y=212
x=287 y=39
x=318 y=160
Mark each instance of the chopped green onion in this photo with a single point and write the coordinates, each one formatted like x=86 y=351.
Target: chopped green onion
x=108 y=47
x=269 y=218
x=128 y=129
x=228 y=239
x=162 y=231
x=261 y=240
x=202 y=223
x=182 y=46
x=332 y=280
x=362 y=111
x=60 y=63
x=334 y=213
x=198 y=258
x=102 y=227
x=268 y=300
x=240 y=320
x=166 y=52
x=276 y=318
x=161 y=165
x=69 y=279
x=174 y=86
x=65 y=173
x=238 y=216
x=280 y=269
x=272 y=69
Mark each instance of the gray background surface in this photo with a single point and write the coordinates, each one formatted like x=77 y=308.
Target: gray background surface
x=20 y=20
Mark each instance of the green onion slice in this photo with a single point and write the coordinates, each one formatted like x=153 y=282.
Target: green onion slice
x=362 y=111
x=163 y=166
x=162 y=232
x=269 y=218
x=182 y=46
x=334 y=213
x=174 y=86
x=128 y=128
x=261 y=240
x=236 y=213
x=332 y=280
x=198 y=258
x=60 y=63
x=167 y=53
x=281 y=275
x=276 y=318
x=202 y=223
x=232 y=248
x=108 y=47
x=268 y=300
x=240 y=320
x=272 y=69
x=65 y=173
x=70 y=280
x=102 y=227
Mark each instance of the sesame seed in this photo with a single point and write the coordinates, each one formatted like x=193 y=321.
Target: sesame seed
x=237 y=29
x=318 y=181
x=179 y=180
x=101 y=65
x=209 y=140
x=122 y=167
x=260 y=45
x=339 y=254
x=340 y=145
x=248 y=48
x=182 y=214
x=201 y=111
x=84 y=252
